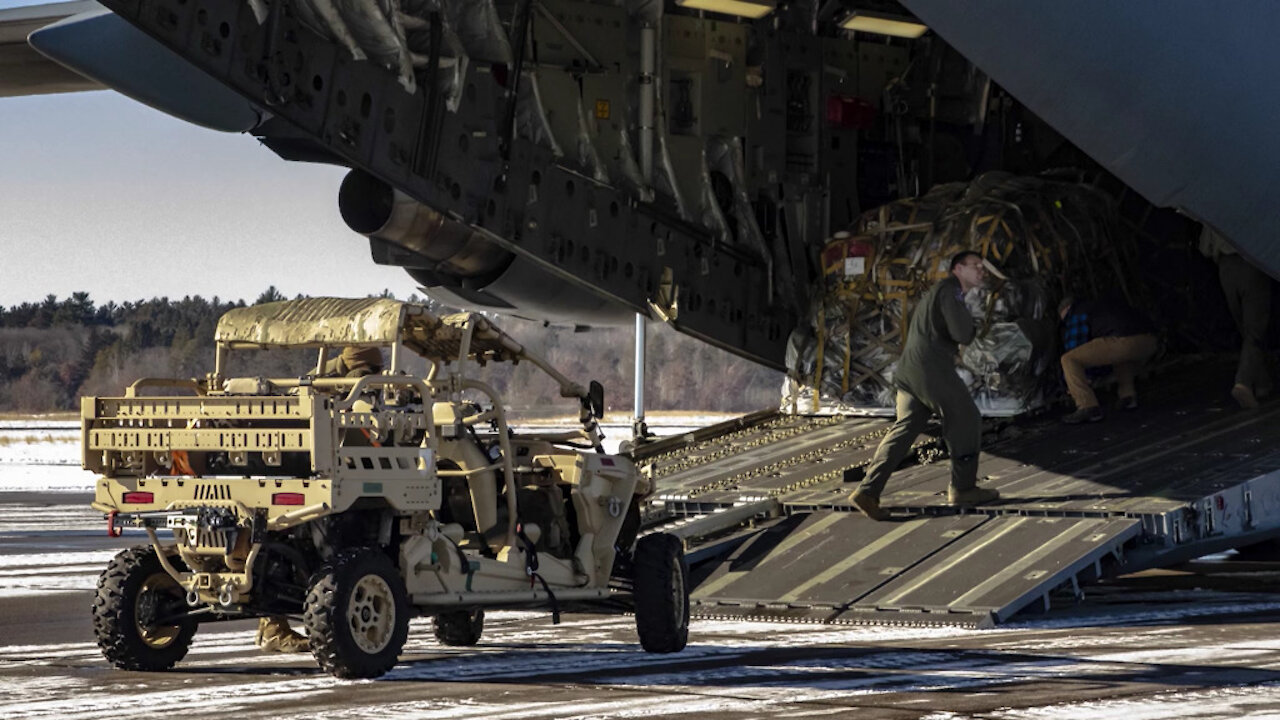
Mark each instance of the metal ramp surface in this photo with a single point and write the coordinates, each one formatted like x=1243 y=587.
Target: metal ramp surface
x=972 y=569
x=762 y=506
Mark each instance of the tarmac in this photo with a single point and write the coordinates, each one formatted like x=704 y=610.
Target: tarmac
x=1201 y=642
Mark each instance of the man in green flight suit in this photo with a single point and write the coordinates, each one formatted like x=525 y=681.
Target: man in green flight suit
x=927 y=384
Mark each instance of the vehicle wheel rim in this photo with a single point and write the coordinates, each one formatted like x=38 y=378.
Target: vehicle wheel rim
x=678 y=598
x=371 y=614
x=147 y=607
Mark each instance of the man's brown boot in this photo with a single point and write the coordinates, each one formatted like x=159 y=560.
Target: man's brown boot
x=971 y=496
x=1243 y=395
x=275 y=635
x=868 y=505
x=1084 y=415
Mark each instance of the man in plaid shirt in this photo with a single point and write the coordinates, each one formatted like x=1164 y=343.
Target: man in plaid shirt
x=1097 y=334
x=1075 y=330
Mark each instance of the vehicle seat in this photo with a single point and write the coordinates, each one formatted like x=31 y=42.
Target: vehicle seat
x=482 y=487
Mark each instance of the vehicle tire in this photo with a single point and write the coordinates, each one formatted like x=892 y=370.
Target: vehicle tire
x=661 y=591
x=459 y=628
x=357 y=614
x=133 y=592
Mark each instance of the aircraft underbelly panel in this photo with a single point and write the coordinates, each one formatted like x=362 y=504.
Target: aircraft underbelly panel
x=469 y=143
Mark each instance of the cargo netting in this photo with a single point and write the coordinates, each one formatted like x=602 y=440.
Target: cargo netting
x=1041 y=239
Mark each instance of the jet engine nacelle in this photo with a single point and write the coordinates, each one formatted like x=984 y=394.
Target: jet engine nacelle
x=464 y=267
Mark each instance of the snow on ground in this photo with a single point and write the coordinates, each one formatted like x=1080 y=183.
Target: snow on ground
x=1226 y=702
x=38 y=421
x=41 y=456
x=45 y=446
x=723 y=669
x=45 y=478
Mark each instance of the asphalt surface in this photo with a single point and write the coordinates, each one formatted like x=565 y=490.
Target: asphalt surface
x=1202 y=644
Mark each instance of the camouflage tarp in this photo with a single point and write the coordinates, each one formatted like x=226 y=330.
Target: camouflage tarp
x=313 y=321
x=310 y=322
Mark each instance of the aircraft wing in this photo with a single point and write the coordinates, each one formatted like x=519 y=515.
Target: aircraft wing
x=23 y=71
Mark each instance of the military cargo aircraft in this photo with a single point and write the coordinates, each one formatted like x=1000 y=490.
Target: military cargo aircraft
x=581 y=161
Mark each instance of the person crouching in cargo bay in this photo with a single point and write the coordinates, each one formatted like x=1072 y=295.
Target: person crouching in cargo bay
x=1096 y=334
x=928 y=384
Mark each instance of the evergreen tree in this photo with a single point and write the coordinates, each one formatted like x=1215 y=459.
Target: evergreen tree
x=271 y=294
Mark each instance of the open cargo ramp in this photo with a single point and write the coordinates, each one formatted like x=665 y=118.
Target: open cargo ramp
x=762 y=506
x=972 y=569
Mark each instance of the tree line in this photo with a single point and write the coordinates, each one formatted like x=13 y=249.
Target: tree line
x=56 y=350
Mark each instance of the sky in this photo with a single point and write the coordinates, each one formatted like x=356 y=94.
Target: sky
x=99 y=193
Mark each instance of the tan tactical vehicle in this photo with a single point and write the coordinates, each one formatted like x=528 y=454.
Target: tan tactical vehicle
x=360 y=500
